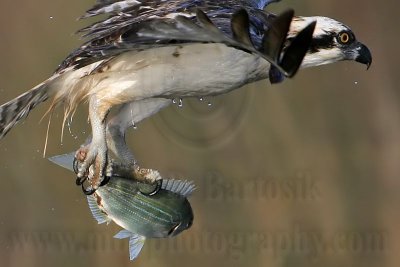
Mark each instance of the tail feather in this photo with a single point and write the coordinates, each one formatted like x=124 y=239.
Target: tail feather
x=15 y=110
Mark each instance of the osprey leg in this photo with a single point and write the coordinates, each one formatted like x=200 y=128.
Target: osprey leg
x=94 y=154
x=129 y=115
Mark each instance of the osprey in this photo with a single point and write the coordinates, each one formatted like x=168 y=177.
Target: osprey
x=146 y=53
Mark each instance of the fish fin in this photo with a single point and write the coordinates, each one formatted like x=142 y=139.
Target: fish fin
x=136 y=242
x=64 y=160
x=98 y=214
x=123 y=234
x=184 y=188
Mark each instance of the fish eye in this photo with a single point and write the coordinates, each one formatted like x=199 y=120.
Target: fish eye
x=345 y=37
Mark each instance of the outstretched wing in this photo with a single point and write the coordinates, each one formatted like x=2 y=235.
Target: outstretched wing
x=107 y=37
x=139 y=24
x=129 y=12
x=159 y=7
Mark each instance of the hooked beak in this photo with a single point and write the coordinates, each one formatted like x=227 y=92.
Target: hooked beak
x=364 y=55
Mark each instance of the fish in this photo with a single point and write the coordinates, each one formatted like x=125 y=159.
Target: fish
x=129 y=203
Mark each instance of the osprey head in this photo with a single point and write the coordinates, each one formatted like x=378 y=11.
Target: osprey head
x=332 y=41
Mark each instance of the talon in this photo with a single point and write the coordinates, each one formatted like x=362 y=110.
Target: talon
x=158 y=188
x=80 y=180
x=90 y=162
x=88 y=192
x=154 y=191
x=81 y=154
x=105 y=181
x=75 y=165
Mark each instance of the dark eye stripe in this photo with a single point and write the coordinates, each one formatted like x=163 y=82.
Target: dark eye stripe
x=324 y=42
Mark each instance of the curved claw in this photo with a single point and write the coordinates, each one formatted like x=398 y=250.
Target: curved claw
x=156 y=189
x=75 y=165
x=80 y=180
x=105 y=181
x=88 y=192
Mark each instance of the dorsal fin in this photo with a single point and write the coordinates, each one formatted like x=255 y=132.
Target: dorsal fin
x=98 y=214
x=184 y=188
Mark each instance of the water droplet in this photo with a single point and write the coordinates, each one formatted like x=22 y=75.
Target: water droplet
x=355 y=82
x=51 y=17
x=133 y=122
x=180 y=103
x=69 y=128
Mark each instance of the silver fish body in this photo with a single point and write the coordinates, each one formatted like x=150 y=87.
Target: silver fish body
x=163 y=214
x=126 y=202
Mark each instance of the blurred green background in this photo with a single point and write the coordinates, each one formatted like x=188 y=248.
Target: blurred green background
x=305 y=173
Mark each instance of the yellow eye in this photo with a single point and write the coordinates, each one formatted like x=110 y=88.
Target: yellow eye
x=344 y=37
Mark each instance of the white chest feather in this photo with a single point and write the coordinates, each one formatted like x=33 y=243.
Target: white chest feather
x=179 y=71
x=190 y=70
